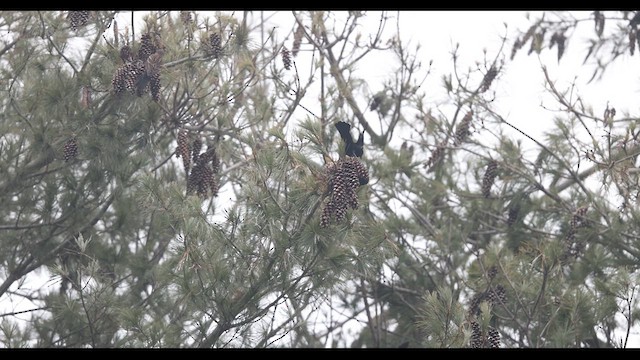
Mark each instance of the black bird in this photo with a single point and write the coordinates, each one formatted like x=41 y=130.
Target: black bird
x=351 y=148
x=635 y=20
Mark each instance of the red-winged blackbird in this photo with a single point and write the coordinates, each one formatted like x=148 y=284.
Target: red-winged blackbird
x=351 y=148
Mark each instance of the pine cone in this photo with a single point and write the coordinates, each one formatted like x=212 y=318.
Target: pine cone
x=512 y=216
x=489 y=178
x=154 y=86
x=183 y=149
x=194 y=179
x=477 y=340
x=488 y=79
x=147 y=46
x=360 y=170
x=494 y=338
x=436 y=156
x=328 y=210
x=297 y=40
x=195 y=150
x=462 y=131
x=286 y=58
x=78 y=18
x=214 y=47
x=119 y=80
x=206 y=179
x=70 y=149
x=497 y=296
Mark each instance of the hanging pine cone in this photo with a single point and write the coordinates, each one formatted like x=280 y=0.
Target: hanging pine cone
x=78 y=19
x=462 y=131
x=493 y=337
x=512 y=215
x=183 y=149
x=119 y=80
x=327 y=212
x=194 y=179
x=206 y=179
x=477 y=340
x=147 y=46
x=152 y=70
x=436 y=156
x=154 y=86
x=195 y=149
x=297 y=40
x=489 y=178
x=214 y=47
x=286 y=58
x=488 y=79
x=70 y=149
x=497 y=296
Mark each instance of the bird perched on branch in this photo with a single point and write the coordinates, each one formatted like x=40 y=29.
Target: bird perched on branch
x=351 y=148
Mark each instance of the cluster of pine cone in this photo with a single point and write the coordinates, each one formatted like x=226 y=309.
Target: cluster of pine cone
x=202 y=177
x=344 y=178
x=496 y=296
x=479 y=340
x=140 y=74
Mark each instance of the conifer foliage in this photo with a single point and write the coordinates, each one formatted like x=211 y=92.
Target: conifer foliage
x=140 y=74
x=175 y=179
